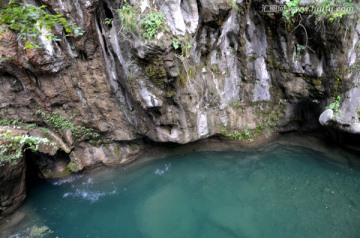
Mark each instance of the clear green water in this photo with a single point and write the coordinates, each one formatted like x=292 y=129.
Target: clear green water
x=281 y=191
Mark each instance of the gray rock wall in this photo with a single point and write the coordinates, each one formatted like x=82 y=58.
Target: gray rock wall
x=243 y=69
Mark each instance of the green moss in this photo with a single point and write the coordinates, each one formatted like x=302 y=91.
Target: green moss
x=118 y=151
x=235 y=104
x=215 y=68
x=44 y=131
x=192 y=72
x=317 y=83
x=157 y=73
x=253 y=58
x=73 y=167
x=170 y=94
x=270 y=62
x=134 y=147
x=183 y=77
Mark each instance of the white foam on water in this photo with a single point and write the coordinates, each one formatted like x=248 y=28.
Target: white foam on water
x=162 y=171
x=91 y=196
x=66 y=180
x=84 y=191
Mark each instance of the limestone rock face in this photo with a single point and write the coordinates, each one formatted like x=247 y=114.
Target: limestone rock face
x=12 y=186
x=233 y=67
x=326 y=117
x=348 y=117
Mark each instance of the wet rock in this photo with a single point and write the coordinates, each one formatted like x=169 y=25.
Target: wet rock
x=348 y=117
x=212 y=9
x=235 y=67
x=86 y=154
x=326 y=117
x=12 y=186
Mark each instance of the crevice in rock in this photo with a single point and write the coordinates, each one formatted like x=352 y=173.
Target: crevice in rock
x=108 y=14
x=100 y=30
x=82 y=55
x=33 y=78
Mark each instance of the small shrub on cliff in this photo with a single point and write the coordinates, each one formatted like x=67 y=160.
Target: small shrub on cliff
x=127 y=16
x=30 y=22
x=323 y=13
x=335 y=105
x=183 y=44
x=10 y=122
x=152 y=24
x=324 y=10
x=59 y=122
x=13 y=146
x=245 y=134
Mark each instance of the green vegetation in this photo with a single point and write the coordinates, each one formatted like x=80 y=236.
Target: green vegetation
x=176 y=43
x=152 y=23
x=215 y=69
x=299 y=50
x=127 y=16
x=108 y=21
x=233 y=4
x=2 y=59
x=324 y=10
x=134 y=21
x=244 y=134
x=335 y=106
x=235 y=104
x=183 y=43
x=10 y=122
x=343 y=9
x=170 y=94
x=30 y=22
x=358 y=112
x=59 y=122
x=12 y=146
x=72 y=167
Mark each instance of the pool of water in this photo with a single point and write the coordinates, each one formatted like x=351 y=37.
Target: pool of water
x=279 y=191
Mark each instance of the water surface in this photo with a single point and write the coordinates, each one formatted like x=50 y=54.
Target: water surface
x=280 y=191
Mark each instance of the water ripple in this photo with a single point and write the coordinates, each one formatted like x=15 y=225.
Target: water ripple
x=66 y=180
x=91 y=196
x=163 y=170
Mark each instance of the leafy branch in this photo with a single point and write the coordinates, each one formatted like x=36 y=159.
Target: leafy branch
x=31 y=22
x=13 y=146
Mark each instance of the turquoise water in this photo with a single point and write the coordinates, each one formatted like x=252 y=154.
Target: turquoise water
x=280 y=191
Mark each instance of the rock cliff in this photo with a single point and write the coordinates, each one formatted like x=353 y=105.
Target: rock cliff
x=217 y=67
